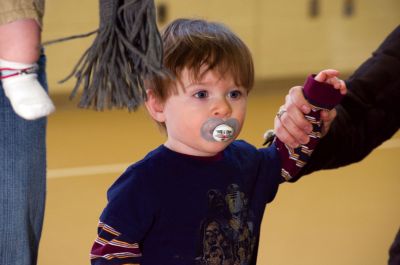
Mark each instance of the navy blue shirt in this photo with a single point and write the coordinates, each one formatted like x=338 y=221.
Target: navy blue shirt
x=171 y=208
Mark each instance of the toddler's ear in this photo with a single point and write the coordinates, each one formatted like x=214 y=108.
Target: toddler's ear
x=154 y=106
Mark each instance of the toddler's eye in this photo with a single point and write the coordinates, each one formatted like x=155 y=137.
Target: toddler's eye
x=201 y=94
x=235 y=94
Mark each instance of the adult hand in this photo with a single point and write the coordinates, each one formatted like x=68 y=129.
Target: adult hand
x=291 y=127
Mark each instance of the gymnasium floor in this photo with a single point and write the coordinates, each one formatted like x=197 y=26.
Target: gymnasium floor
x=347 y=216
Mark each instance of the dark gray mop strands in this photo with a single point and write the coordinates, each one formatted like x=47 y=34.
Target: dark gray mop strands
x=127 y=48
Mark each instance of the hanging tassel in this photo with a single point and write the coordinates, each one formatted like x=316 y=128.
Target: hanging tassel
x=127 y=49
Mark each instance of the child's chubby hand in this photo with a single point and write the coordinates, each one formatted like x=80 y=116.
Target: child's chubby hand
x=330 y=76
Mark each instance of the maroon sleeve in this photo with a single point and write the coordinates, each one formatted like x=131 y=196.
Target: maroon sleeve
x=112 y=247
x=321 y=96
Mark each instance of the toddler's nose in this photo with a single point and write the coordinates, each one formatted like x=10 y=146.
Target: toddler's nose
x=222 y=109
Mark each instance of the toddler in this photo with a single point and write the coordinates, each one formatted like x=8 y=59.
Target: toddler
x=200 y=197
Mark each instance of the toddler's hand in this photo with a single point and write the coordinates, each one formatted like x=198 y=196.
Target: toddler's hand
x=330 y=76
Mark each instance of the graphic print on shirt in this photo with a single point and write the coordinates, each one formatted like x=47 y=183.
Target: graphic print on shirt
x=227 y=232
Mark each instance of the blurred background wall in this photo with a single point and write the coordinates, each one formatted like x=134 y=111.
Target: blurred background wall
x=347 y=216
x=287 y=38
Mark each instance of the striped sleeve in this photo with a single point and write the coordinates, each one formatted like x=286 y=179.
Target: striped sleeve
x=321 y=96
x=111 y=247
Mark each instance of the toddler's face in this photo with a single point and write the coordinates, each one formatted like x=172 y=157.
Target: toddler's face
x=195 y=105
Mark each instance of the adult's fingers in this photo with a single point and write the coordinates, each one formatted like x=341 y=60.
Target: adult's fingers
x=283 y=134
x=325 y=74
x=327 y=117
x=296 y=106
x=287 y=130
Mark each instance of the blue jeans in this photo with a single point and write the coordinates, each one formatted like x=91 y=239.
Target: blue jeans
x=22 y=182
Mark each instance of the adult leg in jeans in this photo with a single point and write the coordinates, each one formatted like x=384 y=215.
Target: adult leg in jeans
x=22 y=182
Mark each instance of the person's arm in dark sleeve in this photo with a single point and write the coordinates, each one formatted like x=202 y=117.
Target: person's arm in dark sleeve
x=368 y=114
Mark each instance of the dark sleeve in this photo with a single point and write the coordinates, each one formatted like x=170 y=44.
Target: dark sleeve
x=394 y=251
x=124 y=221
x=369 y=113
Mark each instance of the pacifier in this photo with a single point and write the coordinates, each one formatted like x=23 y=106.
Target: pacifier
x=218 y=130
x=223 y=133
